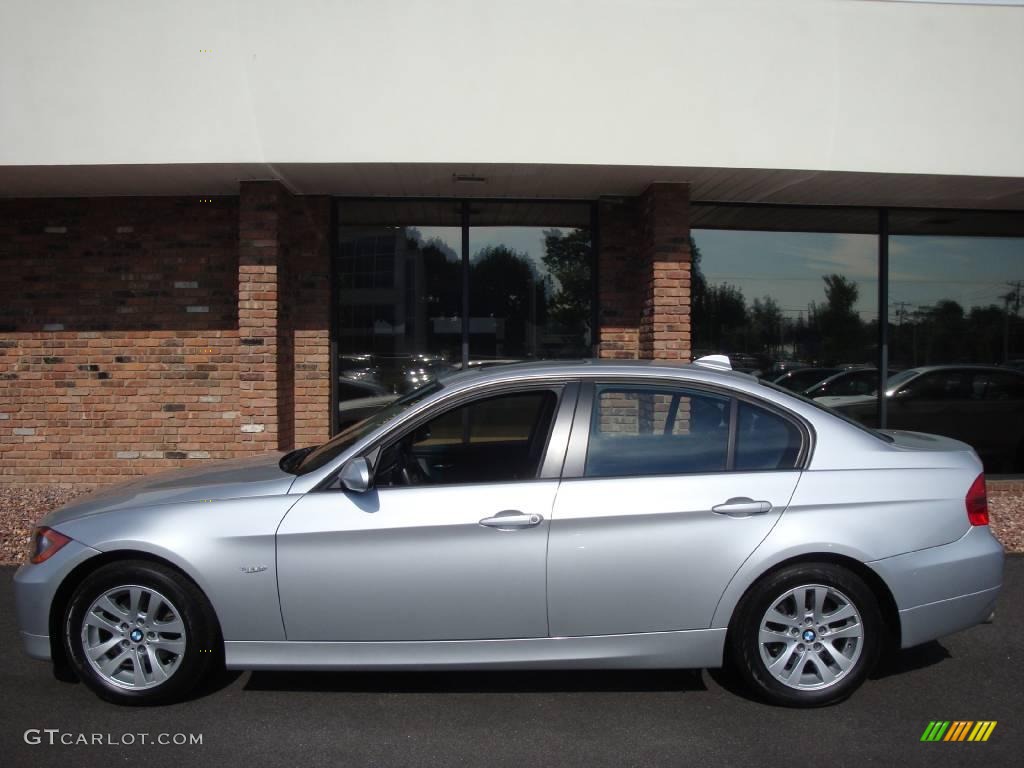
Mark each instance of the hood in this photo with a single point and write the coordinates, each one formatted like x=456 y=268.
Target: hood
x=232 y=479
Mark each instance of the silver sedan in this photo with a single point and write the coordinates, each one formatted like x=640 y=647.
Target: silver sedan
x=548 y=515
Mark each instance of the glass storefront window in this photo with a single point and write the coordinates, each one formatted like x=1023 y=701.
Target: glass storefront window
x=956 y=335
x=399 y=312
x=399 y=272
x=786 y=289
x=530 y=293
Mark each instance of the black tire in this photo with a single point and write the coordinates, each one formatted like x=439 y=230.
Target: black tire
x=203 y=649
x=746 y=653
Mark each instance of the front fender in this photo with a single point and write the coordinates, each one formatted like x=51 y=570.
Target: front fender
x=226 y=547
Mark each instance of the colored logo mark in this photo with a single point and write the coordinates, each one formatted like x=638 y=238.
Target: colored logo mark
x=958 y=730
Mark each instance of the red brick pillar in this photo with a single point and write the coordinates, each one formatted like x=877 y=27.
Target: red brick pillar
x=260 y=252
x=307 y=308
x=664 y=267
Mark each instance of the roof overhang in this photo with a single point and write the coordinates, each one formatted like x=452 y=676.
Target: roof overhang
x=534 y=181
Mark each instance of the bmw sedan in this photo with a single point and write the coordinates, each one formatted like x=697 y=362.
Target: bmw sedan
x=534 y=516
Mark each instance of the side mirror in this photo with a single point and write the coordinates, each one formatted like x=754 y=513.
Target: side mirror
x=355 y=475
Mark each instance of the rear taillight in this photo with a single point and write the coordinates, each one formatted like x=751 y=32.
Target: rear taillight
x=977 y=502
x=46 y=542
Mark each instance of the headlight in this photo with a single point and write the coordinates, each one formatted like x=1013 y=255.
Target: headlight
x=46 y=542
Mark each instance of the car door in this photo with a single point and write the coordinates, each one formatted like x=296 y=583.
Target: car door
x=667 y=490
x=445 y=545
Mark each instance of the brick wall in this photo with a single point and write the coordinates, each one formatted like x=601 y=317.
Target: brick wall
x=118 y=333
x=139 y=334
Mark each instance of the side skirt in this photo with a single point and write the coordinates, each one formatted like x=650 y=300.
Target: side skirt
x=699 y=648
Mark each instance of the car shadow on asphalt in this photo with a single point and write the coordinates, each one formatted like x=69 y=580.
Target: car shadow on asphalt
x=910 y=659
x=555 y=681
x=533 y=681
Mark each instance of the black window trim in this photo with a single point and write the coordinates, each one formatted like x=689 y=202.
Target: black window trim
x=566 y=391
x=576 y=454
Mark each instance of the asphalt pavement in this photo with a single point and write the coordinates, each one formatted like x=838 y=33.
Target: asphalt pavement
x=525 y=719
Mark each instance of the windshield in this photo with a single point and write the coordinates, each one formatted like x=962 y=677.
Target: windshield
x=345 y=439
x=820 y=407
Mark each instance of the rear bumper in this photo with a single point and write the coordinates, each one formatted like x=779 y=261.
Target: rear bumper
x=941 y=590
x=927 y=622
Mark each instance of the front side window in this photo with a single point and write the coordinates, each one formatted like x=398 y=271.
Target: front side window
x=651 y=430
x=491 y=440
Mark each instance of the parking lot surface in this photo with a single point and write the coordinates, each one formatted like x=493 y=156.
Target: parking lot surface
x=524 y=719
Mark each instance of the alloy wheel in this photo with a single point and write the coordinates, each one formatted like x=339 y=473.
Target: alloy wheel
x=133 y=637
x=810 y=637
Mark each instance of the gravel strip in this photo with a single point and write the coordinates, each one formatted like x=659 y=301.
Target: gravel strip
x=21 y=508
x=1006 y=516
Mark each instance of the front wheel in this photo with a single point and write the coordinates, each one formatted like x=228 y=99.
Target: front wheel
x=807 y=635
x=139 y=633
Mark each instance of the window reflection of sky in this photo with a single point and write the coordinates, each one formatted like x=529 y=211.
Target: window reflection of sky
x=789 y=267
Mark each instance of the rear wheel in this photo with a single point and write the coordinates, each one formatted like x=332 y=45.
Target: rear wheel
x=139 y=633
x=806 y=635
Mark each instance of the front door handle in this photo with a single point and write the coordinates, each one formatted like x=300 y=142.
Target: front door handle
x=741 y=506
x=512 y=520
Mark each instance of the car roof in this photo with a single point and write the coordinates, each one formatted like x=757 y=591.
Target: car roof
x=588 y=368
x=964 y=366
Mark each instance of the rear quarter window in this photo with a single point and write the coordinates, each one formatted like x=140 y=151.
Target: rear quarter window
x=765 y=440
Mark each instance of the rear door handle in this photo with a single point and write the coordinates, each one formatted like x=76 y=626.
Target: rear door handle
x=741 y=506
x=512 y=520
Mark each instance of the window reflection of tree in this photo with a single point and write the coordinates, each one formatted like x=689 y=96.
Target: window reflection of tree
x=832 y=333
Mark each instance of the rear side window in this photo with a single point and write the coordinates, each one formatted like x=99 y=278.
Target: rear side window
x=650 y=430
x=764 y=440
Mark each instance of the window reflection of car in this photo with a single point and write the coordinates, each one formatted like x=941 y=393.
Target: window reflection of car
x=490 y=362
x=358 y=399
x=856 y=382
x=980 y=405
x=801 y=379
x=396 y=373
